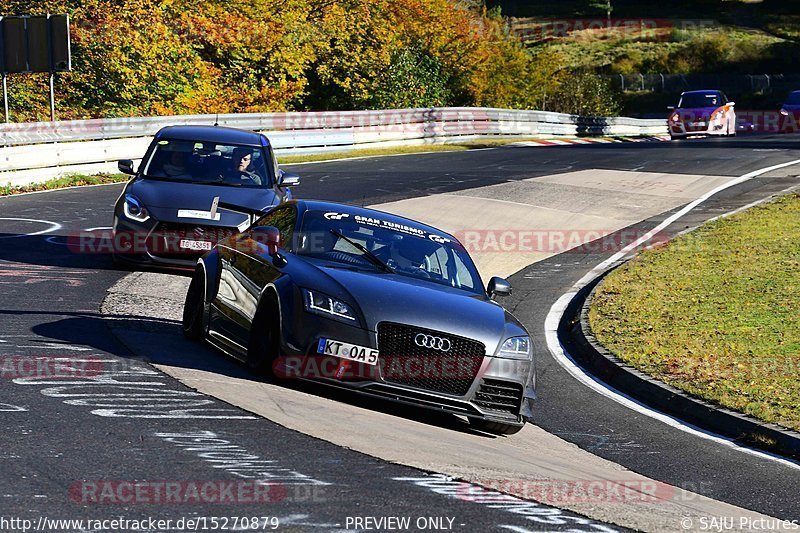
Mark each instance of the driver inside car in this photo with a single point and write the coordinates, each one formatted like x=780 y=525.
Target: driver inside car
x=408 y=253
x=240 y=170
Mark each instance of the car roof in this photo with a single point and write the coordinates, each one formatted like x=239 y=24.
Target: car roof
x=319 y=205
x=217 y=134
x=701 y=91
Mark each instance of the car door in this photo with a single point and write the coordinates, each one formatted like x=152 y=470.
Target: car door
x=245 y=270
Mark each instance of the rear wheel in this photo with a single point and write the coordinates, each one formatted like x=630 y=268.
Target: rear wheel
x=194 y=307
x=264 y=346
x=496 y=428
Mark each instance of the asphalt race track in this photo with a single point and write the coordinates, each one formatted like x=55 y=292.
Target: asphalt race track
x=68 y=439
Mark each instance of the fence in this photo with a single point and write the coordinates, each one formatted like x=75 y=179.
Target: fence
x=729 y=83
x=37 y=151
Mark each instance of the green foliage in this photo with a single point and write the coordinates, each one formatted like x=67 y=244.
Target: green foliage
x=163 y=57
x=585 y=93
x=413 y=79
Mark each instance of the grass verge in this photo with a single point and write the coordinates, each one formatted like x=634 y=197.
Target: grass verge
x=73 y=180
x=395 y=150
x=716 y=312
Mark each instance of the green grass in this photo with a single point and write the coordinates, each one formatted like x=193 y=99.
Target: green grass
x=72 y=180
x=716 y=312
x=375 y=152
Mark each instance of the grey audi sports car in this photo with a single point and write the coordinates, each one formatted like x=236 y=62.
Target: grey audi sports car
x=168 y=215
x=369 y=301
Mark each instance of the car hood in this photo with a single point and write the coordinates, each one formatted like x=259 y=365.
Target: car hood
x=165 y=198
x=403 y=300
x=158 y=193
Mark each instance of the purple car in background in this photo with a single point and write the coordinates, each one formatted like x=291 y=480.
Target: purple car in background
x=706 y=112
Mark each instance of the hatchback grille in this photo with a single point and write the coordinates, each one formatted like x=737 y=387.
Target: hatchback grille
x=496 y=395
x=428 y=367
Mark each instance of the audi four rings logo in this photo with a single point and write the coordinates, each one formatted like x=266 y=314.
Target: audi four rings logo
x=434 y=343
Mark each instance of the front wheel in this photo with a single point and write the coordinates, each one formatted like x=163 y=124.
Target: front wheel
x=496 y=428
x=194 y=307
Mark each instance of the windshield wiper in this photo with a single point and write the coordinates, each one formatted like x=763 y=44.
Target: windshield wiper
x=369 y=255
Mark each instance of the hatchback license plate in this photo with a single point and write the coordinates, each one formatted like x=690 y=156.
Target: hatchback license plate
x=195 y=245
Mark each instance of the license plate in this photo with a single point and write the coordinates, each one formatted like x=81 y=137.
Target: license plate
x=351 y=352
x=698 y=124
x=194 y=245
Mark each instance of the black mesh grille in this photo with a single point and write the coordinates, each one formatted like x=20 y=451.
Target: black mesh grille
x=496 y=395
x=404 y=362
x=165 y=239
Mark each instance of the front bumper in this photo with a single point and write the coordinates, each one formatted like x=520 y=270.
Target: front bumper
x=495 y=389
x=155 y=243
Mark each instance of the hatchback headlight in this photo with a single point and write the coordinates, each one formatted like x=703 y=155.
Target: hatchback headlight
x=516 y=348
x=134 y=209
x=321 y=304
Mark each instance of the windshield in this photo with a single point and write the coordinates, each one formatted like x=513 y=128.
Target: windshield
x=397 y=249
x=691 y=100
x=209 y=162
x=794 y=98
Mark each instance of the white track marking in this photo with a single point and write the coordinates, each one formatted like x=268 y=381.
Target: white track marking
x=54 y=226
x=565 y=359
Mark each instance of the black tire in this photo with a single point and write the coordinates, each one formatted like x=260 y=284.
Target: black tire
x=264 y=346
x=495 y=428
x=194 y=309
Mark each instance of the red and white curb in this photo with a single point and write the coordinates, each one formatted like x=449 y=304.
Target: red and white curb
x=588 y=140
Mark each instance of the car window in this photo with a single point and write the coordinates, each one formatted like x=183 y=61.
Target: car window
x=692 y=100
x=285 y=219
x=209 y=162
x=407 y=250
x=794 y=98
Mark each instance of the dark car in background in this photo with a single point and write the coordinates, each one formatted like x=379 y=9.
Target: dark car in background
x=370 y=301
x=707 y=112
x=169 y=214
x=790 y=113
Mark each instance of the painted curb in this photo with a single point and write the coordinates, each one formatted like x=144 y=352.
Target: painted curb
x=576 y=335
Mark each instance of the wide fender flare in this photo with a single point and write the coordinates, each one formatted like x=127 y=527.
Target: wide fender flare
x=211 y=264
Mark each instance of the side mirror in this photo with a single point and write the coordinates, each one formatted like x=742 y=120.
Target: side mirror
x=288 y=180
x=670 y=108
x=498 y=287
x=126 y=167
x=269 y=236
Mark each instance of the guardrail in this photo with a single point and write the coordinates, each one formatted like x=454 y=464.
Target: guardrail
x=41 y=150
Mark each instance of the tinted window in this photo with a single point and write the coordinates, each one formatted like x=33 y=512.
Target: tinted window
x=284 y=218
x=208 y=162
x=409 y=250
x=701 y=100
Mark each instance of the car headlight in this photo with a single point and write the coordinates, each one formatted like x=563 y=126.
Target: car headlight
x=675 y=117
x=322 y=304
x=134 y=209
x=516 y=348
x=784 y=112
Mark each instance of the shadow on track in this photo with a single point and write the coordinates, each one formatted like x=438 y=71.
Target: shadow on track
x=95 y=331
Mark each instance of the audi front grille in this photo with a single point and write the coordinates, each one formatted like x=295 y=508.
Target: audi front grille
x=427 y=359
